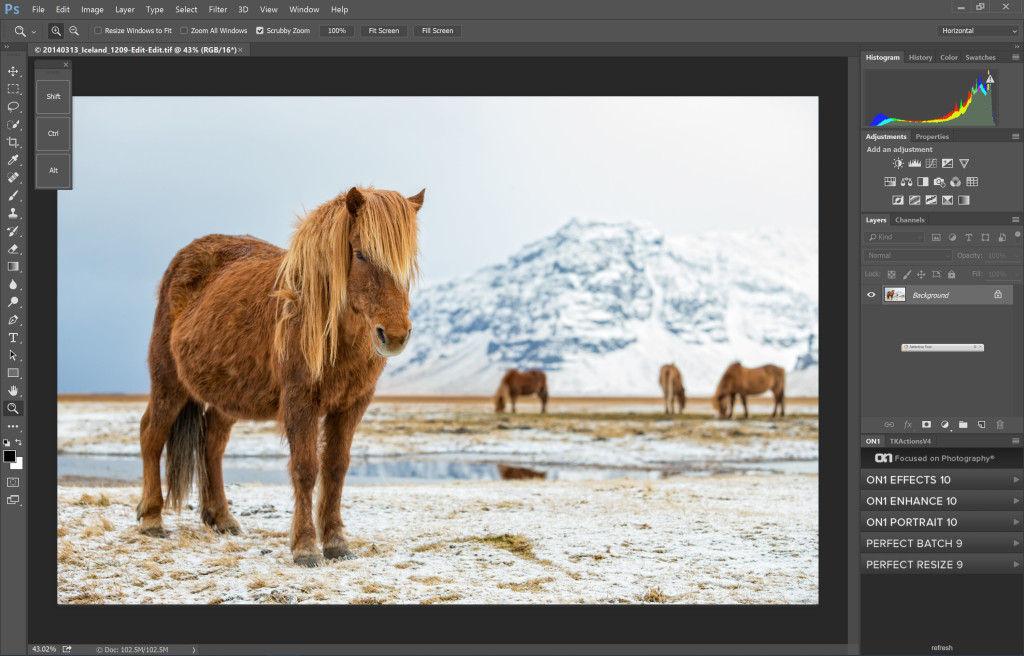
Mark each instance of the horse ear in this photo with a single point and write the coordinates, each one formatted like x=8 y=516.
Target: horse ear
x=354 y=199
x=417 y=200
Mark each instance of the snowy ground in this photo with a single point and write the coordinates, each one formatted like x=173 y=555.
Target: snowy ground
x=684 y=540
x=681 y=535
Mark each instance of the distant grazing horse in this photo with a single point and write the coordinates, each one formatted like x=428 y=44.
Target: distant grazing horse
x=508 y=473
x=517 y=383
x=246 y=330
x=737 y=379
x=672 y=390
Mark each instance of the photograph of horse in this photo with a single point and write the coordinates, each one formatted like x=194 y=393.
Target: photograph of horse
x=246 y=330
x=232 y=427
x=517 y=383
x=738 y=380
x=672 y=389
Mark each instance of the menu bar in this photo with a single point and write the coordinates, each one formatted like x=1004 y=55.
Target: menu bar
x=523 y=9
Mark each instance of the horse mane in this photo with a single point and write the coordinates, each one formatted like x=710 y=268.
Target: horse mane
x=312 y=281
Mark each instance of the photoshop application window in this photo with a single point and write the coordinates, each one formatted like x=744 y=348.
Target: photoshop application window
x=546 y=327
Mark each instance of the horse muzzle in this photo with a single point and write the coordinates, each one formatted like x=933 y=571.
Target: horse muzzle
x=390 y=344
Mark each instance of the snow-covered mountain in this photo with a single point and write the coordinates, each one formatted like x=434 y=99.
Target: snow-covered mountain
x=601 y=306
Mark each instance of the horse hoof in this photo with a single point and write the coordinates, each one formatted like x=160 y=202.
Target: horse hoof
x=229 y=529
x=339 y=553
x=155 y=532
x=307 y=561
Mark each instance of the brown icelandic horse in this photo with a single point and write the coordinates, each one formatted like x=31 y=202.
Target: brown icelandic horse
x=246 y=330
x=672 y=389
x=517 y=383
x=737 y=379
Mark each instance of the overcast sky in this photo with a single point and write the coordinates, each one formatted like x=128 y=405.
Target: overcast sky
x=151 y=174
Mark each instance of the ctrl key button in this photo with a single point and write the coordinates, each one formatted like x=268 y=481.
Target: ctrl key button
x=53 y=171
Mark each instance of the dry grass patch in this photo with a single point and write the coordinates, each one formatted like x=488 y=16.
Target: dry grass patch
x=407 y=564
x=184 y=575
x=87 y=596
x=369 y=601
x=154 y=570
x=367 y=548
x=377 y=588
x=70 y=555
x=533 y=585
x=655 y=596
x=232 y=546
x=515 y=543
x=429 y=580
x=224 y=561
x=89 y=500
x=575 y=558
x=440 y=599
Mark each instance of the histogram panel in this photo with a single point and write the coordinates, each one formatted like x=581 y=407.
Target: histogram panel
x=930 y=98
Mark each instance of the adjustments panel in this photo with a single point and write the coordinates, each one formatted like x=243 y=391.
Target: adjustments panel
x=942 y=399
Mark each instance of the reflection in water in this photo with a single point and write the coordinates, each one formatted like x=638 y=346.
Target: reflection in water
x=379 y=472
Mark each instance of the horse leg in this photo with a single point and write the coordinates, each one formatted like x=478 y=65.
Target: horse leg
x=746 y=413
x=782 y=403
x=213 y=503
x=732 y=403
x=514 y=398
x=300 y=424
x=339 y=428
x=166 y=400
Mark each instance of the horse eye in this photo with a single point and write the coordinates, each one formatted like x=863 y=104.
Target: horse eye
x=359 y=256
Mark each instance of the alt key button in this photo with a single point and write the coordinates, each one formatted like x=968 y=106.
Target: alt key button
x=53 y=171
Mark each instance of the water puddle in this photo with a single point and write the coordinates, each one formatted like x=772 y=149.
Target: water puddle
x=274 y=470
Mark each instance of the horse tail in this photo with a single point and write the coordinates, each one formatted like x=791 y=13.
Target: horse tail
x=780 y=380
x=186 y=457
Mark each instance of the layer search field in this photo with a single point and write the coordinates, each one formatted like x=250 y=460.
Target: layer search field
x=943 y=348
